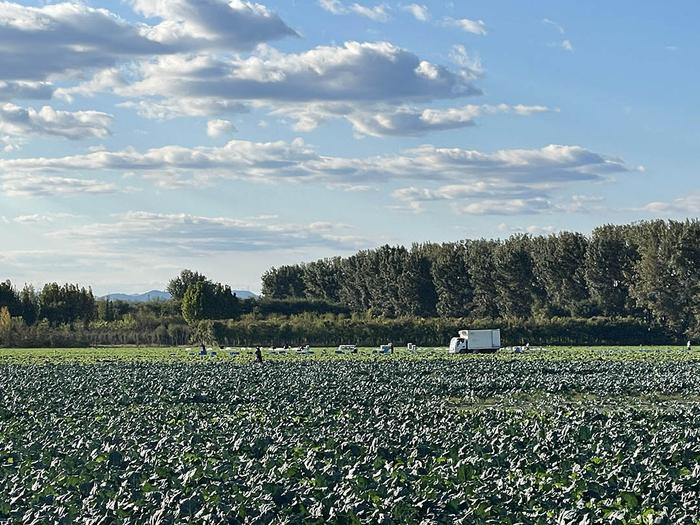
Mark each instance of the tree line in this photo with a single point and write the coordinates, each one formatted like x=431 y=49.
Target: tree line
x=648 y=271
x=636 y=283
x=55 y=304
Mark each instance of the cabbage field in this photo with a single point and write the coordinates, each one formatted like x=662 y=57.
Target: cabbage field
x=161 y=436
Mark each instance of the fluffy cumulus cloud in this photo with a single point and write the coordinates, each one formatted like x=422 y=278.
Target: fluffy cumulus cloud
x=183 y=233
x=189 y=58
x=220 y=128
x=18 y=121
x=32 y=185
x=39 y=42
x=232 y=25
x=356 y=71
x=297 y=161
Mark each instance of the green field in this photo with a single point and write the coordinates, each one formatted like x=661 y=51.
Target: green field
x=153 y=435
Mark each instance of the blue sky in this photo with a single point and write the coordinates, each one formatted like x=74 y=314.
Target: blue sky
x=141 y=137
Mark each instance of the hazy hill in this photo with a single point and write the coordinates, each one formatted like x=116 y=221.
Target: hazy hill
x=159 y=295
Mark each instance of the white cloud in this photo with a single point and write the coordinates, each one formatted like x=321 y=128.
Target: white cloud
x=298 y=162
x=356 y=72
x=419 y=11
x=411 y=121
x=219 y=128
x=378 y=13
x=326 y=82
x=583 y=204
x=38 y=42
x=555 y=25
x=480 y=198
x=39 y=218
x=10 y=143
x=333 y=6
x=468 y=62
x=506 y=207
x=103 y=80
x=31 y=185
x=532 y=229
x=686 y=205
x=232 y=24
x=18 y=121
x=72 y=38
x=501 y=197
x=184 y=107
x=191 y=234
x=565 y=44
x=475 y=190
x=476 y=27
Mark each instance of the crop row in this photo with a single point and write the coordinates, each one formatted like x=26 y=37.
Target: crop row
x=384 y=441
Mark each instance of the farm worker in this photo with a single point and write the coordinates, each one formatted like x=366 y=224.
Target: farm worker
x=203 y=350
x=258 y=355
x=689 y=346
x=391 y=348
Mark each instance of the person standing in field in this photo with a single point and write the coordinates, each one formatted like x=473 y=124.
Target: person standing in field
x=690 y=347
x=258 y=355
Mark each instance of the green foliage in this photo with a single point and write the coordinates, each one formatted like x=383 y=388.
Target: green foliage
x=559 y=265
x=9 y=298
x=481 y=269
x=645 y=275
x=648 y=270
x=514 y=279
x=194 y=303
x=609 y=269
x=206 y=300
x=284 y=282
x=453 y=284
x=178 y=286
x=5 y=325
x=322 y=280
x=668 y=273
x=29 y=304
x=66 y=304
x=531 y=439
x=363 y=330
x=265 y=307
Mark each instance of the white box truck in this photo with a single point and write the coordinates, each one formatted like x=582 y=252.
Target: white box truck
x=476 y=341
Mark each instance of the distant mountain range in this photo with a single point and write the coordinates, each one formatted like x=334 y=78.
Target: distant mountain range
x=159 y=295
